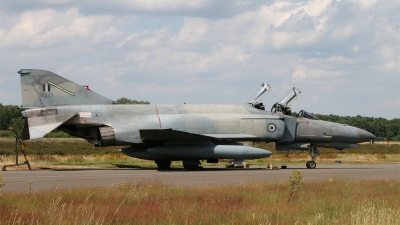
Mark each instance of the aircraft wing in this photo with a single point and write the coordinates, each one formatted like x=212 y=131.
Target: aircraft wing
x=175 y=135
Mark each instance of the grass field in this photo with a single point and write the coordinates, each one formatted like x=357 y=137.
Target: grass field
x=78 y=152
x=327 y=202
x=151 y=202
x=123 y=161
x=78 y=146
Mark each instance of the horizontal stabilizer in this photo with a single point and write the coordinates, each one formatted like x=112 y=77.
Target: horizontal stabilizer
x=40 y=126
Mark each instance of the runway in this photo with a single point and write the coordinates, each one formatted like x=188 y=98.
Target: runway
x=18 y=181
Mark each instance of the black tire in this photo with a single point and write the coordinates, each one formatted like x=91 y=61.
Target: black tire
x=311 y=165
x=191 y=167
x=163 y=164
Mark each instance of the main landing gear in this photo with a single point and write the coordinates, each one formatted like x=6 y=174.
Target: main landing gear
x=191 y=165
x=313 y=151
x=163 y=164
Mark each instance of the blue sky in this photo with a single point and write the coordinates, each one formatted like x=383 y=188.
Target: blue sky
x=343 y=55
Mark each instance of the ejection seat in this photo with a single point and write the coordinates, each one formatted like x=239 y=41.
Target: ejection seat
x=256 y=99
x=283 y=105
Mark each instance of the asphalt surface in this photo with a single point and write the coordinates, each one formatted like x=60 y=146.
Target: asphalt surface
x=17 y=181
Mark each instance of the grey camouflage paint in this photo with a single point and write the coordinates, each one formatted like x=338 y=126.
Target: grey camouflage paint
x=162 y=132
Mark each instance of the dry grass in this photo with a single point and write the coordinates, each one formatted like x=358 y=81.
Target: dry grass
x=121 y=160
x=77 y=146
x=72 y=152
x=66 y=161
x=56 y=146
x=335 y=202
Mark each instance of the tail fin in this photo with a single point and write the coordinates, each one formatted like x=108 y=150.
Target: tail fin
x=41 y=88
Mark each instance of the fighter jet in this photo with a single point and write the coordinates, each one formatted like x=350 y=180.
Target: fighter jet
x=187 y=133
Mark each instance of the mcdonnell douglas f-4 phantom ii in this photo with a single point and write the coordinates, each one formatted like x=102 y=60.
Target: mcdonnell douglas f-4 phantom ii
x=187 y=133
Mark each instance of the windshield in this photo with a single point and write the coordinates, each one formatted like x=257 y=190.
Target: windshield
x=260 y=93
x=307 y=115
x=290 y=96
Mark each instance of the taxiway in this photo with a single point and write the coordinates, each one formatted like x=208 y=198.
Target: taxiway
x=209 y=176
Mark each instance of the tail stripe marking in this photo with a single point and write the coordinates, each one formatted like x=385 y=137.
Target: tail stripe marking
x=61 y=88
x=44 y=87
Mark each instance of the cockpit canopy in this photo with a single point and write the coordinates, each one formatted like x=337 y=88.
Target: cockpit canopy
x=256 y=99
x=260 y=93
x=284 y=103
x=292 y=95
x=307 y=115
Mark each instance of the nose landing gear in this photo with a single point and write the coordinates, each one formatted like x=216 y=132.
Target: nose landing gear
x=311 y=165
x=313 y=151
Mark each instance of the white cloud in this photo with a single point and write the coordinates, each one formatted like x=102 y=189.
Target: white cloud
x=387 y=52
x=175 y=62
x=160 y=5
x=193 y=31
x=48 y=28
x=316 y=8
x=366 y=4
x=342 y=33
x=328 y=47
x=162 y=90
x=392 y=65
x=303 y=75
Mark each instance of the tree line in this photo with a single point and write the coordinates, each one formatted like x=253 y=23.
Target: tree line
x=380 y=127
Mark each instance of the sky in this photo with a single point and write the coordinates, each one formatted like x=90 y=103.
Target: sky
x=344 y=56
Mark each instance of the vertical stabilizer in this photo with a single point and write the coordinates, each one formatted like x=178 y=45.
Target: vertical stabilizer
x=41 y=88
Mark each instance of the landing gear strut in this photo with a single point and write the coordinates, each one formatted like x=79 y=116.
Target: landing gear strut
x=313 y=151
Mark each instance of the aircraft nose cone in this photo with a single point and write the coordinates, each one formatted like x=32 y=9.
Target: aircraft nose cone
x=364 y=136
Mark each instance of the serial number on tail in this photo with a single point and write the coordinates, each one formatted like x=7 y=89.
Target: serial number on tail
x=46 y=94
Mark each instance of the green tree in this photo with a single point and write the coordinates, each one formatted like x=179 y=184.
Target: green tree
x=124 y=100
x=7 y=114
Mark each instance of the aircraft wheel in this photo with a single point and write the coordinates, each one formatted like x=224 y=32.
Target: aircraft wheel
x=163 y=164
x=311 y=165
x=191 y=167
